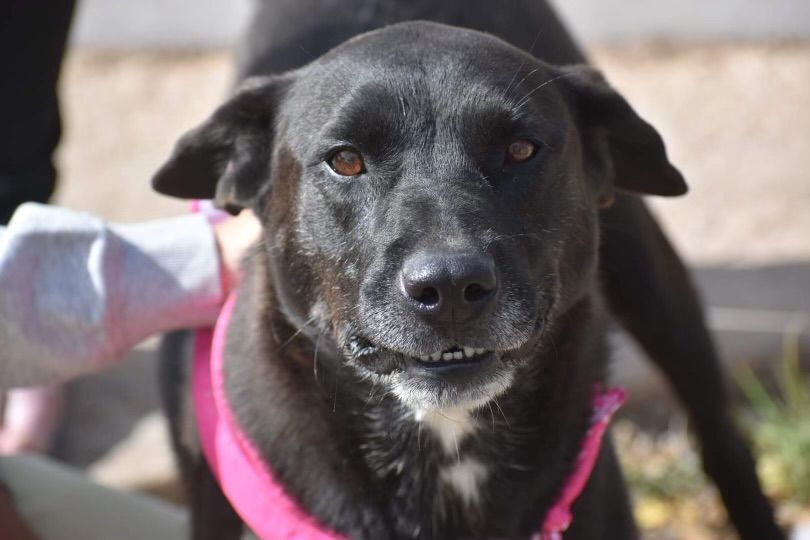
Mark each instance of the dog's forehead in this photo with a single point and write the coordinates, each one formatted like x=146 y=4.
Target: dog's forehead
x=431 y=49
x=423 y=67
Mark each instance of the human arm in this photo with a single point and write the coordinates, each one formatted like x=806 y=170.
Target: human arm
x=76 y=293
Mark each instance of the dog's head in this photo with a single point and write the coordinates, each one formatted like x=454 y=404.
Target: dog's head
x=429 y=197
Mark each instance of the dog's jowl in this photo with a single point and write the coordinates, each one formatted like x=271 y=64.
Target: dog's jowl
x=417 y=341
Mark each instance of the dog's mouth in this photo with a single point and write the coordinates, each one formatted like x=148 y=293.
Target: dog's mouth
x=469 y=372
x=363 y=351
x=454 y=355
x=458 y=375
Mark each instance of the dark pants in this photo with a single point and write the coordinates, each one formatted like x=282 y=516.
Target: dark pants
x=33 y=35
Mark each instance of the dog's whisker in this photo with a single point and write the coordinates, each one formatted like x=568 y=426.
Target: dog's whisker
x=315 y=357
x=495 y=401
x=529 y=74
x=297 y=332
x=440 y=413
x=514 y=76
x=502 y=237
x=371 y=392
x=523 y=61
x=491 y=415
x=336 y=378
x=455 y=443
x=527 y=97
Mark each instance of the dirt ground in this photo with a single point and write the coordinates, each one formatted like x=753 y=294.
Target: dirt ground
x=736 y=119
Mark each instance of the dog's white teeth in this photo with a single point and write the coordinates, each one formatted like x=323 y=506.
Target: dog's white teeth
x=455 y=354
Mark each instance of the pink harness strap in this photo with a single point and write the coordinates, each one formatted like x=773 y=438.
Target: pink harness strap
x=558 y=518
x=261 y=501
x=237 y=465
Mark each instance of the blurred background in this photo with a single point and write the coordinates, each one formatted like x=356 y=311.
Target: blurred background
x=726 y=82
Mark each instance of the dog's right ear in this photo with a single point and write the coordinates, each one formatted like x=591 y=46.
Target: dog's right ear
x=227 y=158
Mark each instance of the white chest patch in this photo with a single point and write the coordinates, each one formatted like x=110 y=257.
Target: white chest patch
x=465 y=478
x=450 y=426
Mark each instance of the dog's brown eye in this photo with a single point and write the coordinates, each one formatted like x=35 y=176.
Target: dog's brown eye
x=520 y=150
x=347 y=162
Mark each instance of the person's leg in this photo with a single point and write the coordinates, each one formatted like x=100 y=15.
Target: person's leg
x=59 y=503
x=33 y=36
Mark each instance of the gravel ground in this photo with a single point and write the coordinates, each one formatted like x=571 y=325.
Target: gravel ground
x=736 y=119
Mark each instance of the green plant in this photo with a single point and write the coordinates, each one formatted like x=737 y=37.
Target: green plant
x=670 y=496
x=779 y=424
x=662 y=466
x=670 y=493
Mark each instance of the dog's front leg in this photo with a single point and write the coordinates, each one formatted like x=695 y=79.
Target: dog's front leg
x=649 y=289
x=212 y=517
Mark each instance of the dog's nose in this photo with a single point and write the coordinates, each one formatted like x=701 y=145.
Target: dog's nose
x=454 y=285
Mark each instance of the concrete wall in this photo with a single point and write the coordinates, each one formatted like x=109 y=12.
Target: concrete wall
x=216 y=23
x=600 y=21
x=135 y=24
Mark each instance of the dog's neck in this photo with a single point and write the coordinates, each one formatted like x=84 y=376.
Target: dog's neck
x=362 y=462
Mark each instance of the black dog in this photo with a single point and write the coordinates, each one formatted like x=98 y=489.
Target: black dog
x=429 y=193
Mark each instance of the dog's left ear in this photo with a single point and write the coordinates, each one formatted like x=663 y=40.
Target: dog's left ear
x=620 y=147
x=227 y=157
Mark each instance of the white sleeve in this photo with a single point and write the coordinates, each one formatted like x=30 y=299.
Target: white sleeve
x=76 y=293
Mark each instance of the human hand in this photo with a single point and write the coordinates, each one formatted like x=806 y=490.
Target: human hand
x=30 y=418
x=234 y=237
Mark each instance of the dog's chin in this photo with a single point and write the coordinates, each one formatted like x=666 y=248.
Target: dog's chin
x=466 y=387
x=461 y=377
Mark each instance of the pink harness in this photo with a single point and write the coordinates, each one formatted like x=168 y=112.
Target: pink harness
x=259 y=498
